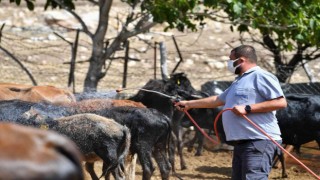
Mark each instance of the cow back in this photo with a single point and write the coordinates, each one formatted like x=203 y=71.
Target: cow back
x=49 y=94
x=29 y=153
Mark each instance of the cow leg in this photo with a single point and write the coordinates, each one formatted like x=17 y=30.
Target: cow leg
x=110 y=160
x=160 y=155
x=200 y=138
x=89 y=166
x=297 y=149
x=279 y=156
x=117 y=173
x=191 y=143
x=107 y=176
x=177 y=130
x=318 y=139
x=178 y=134
x=180 y=148
x=283 y=165
x=144 y=156
x=171 y=149
x=162 y=160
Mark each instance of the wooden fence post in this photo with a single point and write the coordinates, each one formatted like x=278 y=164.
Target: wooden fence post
x=125 y=67
x=163 y=61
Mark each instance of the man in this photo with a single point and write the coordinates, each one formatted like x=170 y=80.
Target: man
x=256 y=94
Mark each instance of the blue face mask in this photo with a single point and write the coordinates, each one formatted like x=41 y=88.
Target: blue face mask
x=231 y=68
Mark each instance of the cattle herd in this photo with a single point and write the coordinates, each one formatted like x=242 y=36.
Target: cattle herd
x=47 y=132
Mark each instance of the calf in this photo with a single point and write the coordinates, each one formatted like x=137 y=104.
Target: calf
x=161 y=97
x=29 y=153
x=98 y=138
x=150 y=129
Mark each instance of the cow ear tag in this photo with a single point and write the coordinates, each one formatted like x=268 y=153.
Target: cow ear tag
x=44 y=126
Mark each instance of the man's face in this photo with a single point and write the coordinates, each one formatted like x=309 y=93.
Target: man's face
x=239 y=61
x=233 y=57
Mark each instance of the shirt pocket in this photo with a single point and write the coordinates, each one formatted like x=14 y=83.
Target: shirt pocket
x=242 y=95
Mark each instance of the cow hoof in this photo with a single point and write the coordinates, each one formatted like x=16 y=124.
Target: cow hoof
x=198 y=154
x=285 y=176
x=183 y=167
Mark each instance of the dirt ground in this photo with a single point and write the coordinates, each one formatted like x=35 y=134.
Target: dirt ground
x=216 y=165
x=212 y=164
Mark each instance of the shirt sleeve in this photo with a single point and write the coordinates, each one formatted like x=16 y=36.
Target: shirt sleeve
x=268 y=86
x=223 y=95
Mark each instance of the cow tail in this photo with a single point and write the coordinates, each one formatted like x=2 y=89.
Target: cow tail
x=125 y=148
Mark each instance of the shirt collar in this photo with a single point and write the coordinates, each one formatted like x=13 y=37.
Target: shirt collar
x=249 y=71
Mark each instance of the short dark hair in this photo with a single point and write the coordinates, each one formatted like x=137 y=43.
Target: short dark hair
x=246 y=51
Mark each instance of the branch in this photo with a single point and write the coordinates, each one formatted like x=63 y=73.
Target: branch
x=70 y=43
x=311 y=56
x=94 y=2
x=84 y=26
x=20 y=64
x=138 y=31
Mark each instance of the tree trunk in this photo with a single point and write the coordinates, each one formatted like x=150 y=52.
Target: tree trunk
x=283 y=70
x=94 y=74
x=97 y=59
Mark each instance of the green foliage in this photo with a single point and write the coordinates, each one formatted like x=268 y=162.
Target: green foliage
x=287 y=21
x=54 y=4
x=29 y=3
x=177 y=13
x=49 y=3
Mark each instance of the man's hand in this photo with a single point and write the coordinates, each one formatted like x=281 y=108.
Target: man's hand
x=182 y=105
x=239 y=110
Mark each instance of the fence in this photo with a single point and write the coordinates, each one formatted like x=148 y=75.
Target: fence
x=47 y=57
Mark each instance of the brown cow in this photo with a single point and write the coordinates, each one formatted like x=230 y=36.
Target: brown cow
x=49 y=94
x=29 y=153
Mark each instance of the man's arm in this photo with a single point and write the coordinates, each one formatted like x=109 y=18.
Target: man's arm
x=209 y=102
x=265 y=106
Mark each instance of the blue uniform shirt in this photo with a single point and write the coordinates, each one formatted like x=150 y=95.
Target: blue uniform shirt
x=253 y=86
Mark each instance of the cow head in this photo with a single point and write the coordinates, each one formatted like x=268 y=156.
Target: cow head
x=182 y=85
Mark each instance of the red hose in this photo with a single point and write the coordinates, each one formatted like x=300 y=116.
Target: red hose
x=200 y=129
x=263 y=132
x=256 y=126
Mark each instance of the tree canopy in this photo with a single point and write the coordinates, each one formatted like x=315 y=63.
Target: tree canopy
x=284 y=26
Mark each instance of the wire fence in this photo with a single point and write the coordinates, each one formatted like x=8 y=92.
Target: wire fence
x=47 y=56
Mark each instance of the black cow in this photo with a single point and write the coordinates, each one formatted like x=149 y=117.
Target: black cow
x=178 y=86
x=150 y=129
x=205 y=117
x=97 y=138
x=300 y=121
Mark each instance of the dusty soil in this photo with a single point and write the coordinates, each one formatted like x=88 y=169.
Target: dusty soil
x=199 y=50
x=216 y=165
